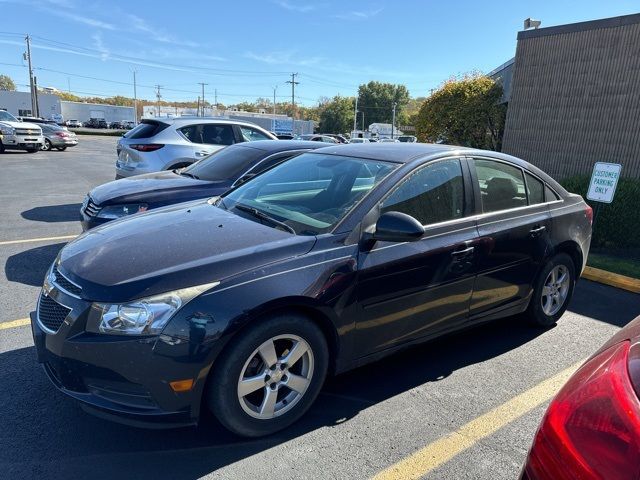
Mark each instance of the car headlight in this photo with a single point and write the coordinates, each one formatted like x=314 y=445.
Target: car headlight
x=117 y=211
x=7 y=130
x=146 y=316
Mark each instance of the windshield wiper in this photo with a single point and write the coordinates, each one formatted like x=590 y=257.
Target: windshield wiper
x=263 y=216
x=187 y=174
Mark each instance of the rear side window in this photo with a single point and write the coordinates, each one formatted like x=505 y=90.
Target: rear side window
x=501 y=186
x=433 y=194
x=209 y=133
x=550 y=195
x=146 y=130
x=251 y=134
x=535 y=189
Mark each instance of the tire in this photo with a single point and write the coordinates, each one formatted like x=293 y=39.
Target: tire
x=241 y=413
x=1 y=148
x=549 y=304
x=62 y=149
x=46 y=147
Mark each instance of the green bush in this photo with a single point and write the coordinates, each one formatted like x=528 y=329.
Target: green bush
x=617 y=224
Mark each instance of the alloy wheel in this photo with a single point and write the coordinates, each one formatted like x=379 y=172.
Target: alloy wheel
x=275 y=377
x=555 y=290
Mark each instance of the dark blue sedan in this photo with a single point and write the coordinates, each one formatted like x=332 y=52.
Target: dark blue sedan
x=209 y=177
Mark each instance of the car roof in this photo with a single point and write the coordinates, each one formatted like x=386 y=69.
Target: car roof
x=182 y=120
x=274 y=146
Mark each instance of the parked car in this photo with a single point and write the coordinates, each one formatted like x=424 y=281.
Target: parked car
x=18 y=135
x=128 y=125
x=117 y=125
x=38 y=120
x=97 y=123
x=359 y=140
x=407 y=139
x=58 y=138
x=283 y=136
x=170 y=143
x=211 y=176
x=317 y=138
x=74 y=123
x=243 y=303
x=591 y=429
x=388 y=140
x=339 y=138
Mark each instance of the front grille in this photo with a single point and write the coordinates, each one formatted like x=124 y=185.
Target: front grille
x=25 y=131
x=51 y=314
x=64 y=283
x=91 y=209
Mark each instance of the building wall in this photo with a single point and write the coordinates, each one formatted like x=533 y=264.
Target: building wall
x=14 y=102
x=84 y=111
x=575 y=97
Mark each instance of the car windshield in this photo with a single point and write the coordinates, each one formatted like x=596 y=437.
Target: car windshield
x=310 y=193
x=226 y=164
x=7 y=117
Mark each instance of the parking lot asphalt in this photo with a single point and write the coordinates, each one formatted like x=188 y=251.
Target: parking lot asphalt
x=449 y=409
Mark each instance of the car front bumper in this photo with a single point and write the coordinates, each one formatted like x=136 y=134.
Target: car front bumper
x=121 y=378
x=26 y=142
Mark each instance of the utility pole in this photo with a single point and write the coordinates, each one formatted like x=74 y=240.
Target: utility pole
x=32 y=89
x=135 y=100
x=393 y=121
x=355 y=116
x=68 y=85
x=293 y=101
x=158 y=97
x=203 y=84
x=273 y=124
x=35 y=89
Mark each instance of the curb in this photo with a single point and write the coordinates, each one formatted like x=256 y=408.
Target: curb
x=612 y=279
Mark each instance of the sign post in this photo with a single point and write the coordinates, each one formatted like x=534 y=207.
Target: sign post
x=602 y=186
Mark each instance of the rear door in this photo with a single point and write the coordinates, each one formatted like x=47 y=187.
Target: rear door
x=513 y=225
x=207 y=138
x=415 y=289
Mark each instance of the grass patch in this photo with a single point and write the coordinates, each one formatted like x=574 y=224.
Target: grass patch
x=629 y=267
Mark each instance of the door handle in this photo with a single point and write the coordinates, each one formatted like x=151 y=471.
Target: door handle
x=537 y=231
x=462 y=253
x=202 y=154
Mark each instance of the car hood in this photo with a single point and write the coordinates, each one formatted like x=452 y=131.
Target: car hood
x=19 y=124
x=174 y=247
x=161 y=187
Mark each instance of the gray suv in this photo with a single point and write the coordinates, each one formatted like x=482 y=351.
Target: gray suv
x=170 y=143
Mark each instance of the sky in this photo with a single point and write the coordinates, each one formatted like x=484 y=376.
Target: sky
x=245 y=49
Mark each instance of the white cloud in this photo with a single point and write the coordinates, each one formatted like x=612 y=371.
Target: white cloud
x=92 y=22
x=293 y=7
x=99 y=45
x=282 y=58
x=359 y=15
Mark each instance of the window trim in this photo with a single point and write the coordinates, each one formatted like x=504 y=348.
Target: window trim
x=270 y=157
x=467 y=206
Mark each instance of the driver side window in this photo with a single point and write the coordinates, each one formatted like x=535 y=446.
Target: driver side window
x=433 y=194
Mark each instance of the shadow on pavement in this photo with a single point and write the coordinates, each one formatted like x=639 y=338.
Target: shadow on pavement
x=598 y=301
x=69 y=212
x=29 y=267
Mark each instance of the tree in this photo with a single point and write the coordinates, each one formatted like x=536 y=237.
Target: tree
x=336 y=115
x=6 y=83
x=464 y=111
x=376 y=99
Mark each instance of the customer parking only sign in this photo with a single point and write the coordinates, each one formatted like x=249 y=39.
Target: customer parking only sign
x=603 y=182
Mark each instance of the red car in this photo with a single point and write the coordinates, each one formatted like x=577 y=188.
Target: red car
x=592 y=427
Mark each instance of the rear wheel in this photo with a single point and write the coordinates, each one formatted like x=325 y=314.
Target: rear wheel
x=269 y=376
x=553 y=291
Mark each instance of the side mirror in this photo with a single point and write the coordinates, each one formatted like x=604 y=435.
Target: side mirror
x=397 y=227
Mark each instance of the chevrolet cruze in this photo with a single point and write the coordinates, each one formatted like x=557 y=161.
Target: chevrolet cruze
x=243 y=303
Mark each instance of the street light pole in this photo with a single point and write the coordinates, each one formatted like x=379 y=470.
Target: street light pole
x=355 y=116
x=32 y=89
x=393 y=121
x=135 y=99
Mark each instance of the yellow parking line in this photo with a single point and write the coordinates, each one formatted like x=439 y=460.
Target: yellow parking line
x=41 y=239
x=22 y=322
x=444 y=449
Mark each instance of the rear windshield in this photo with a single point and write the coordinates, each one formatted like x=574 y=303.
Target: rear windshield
x=146 y=130
x=226 y=164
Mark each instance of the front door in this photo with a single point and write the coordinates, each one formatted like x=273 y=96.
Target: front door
x=411 y=290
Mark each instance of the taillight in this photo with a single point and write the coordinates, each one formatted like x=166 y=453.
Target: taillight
x=62 y=134
x=592 y=427
x=146 y=147
x=589 y=214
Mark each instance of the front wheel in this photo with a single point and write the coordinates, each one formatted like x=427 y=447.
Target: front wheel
x=46 y=146
x=269 y=376
x=552 y=291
